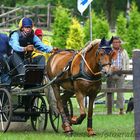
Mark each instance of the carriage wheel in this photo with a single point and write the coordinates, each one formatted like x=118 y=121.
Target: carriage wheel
x=39 y=118
x=5 y=109
x=55 y=118
x=70 y=108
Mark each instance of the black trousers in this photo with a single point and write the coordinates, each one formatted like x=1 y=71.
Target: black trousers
x=19 y=62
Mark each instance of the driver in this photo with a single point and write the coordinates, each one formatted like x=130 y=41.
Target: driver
x=23 y=41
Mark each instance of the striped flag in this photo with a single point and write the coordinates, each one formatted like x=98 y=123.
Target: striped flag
x=82 y=5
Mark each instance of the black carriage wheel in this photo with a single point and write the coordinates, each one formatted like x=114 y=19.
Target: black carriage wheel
x=55 y=118
x=70 y=107
x=5 y=109
x=39 y=118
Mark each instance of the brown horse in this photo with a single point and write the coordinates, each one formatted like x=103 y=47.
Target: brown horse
x=80 y=73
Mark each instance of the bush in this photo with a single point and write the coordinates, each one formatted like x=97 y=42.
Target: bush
x=133 y=32
x=76 y=36
x=100 y=27
x=121 y=29
x=60 y=27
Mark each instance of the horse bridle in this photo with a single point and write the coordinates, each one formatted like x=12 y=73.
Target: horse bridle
x=82 y=53
x=97 y=53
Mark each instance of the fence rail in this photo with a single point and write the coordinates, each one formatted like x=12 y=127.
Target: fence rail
x=127 y=88
x=41 y=15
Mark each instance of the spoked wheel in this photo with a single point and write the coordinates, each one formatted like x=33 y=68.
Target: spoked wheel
x=55 y=117
x=70 y=108
x=39 y=117
x=5 y=109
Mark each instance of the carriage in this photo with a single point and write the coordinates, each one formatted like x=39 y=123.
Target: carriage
x=79 y=73
x=24 y=98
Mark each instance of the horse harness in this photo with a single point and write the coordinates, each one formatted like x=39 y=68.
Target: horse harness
x=82 y=73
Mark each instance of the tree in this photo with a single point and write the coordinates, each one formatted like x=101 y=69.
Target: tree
x=100 y=27
x=121 y=25
x=133 y=33
x=76 y=36
x=60 y=27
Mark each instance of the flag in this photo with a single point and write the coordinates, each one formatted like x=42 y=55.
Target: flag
x=82 y=5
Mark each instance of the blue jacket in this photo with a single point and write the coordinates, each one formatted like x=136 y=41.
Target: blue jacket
x=4 y=45
x=18 y=42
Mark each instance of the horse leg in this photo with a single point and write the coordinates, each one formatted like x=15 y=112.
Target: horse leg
x=89 y=120
x=65 y=97
x=78 y=120
x=65 y=122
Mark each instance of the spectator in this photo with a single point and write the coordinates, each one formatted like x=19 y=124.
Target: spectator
x=5 y=51
x=40 y=35
x=121 y=62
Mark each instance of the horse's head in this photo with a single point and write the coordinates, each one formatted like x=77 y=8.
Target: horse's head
x=104 y=54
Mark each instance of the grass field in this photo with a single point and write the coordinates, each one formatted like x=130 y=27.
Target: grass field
x=107 y=127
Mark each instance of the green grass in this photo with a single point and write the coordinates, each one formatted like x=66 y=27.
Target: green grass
x=102 y=108
x=107 y=127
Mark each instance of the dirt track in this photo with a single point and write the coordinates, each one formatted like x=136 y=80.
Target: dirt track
x=20 y=126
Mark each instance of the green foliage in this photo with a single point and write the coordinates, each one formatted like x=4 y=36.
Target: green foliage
x=86 y=27
x=133 y=33
x=110 y=7
x=37 y=2
x=60 y=27
x=76 y=36
x=121 y=29
x=100 y=27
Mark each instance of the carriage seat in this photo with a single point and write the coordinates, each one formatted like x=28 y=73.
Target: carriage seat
x=33 y=76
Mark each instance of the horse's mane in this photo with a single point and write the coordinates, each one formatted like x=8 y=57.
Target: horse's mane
x=89 y=44
x=95 y=41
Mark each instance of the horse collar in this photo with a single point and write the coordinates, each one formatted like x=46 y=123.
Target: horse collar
x=83 y=74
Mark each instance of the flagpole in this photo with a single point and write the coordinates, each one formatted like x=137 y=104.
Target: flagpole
x=90 y=22
x=82 y=5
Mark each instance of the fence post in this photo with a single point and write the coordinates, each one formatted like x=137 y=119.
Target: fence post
x=136 y=88
x=23 y=11
x=36 y=17
x=2 y=12
x=109 y=103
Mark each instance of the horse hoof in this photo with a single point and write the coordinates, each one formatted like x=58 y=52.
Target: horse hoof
x=69 y=133
x=74 y=120
x=78 y=120
x=90 y=132
x=67 y=128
